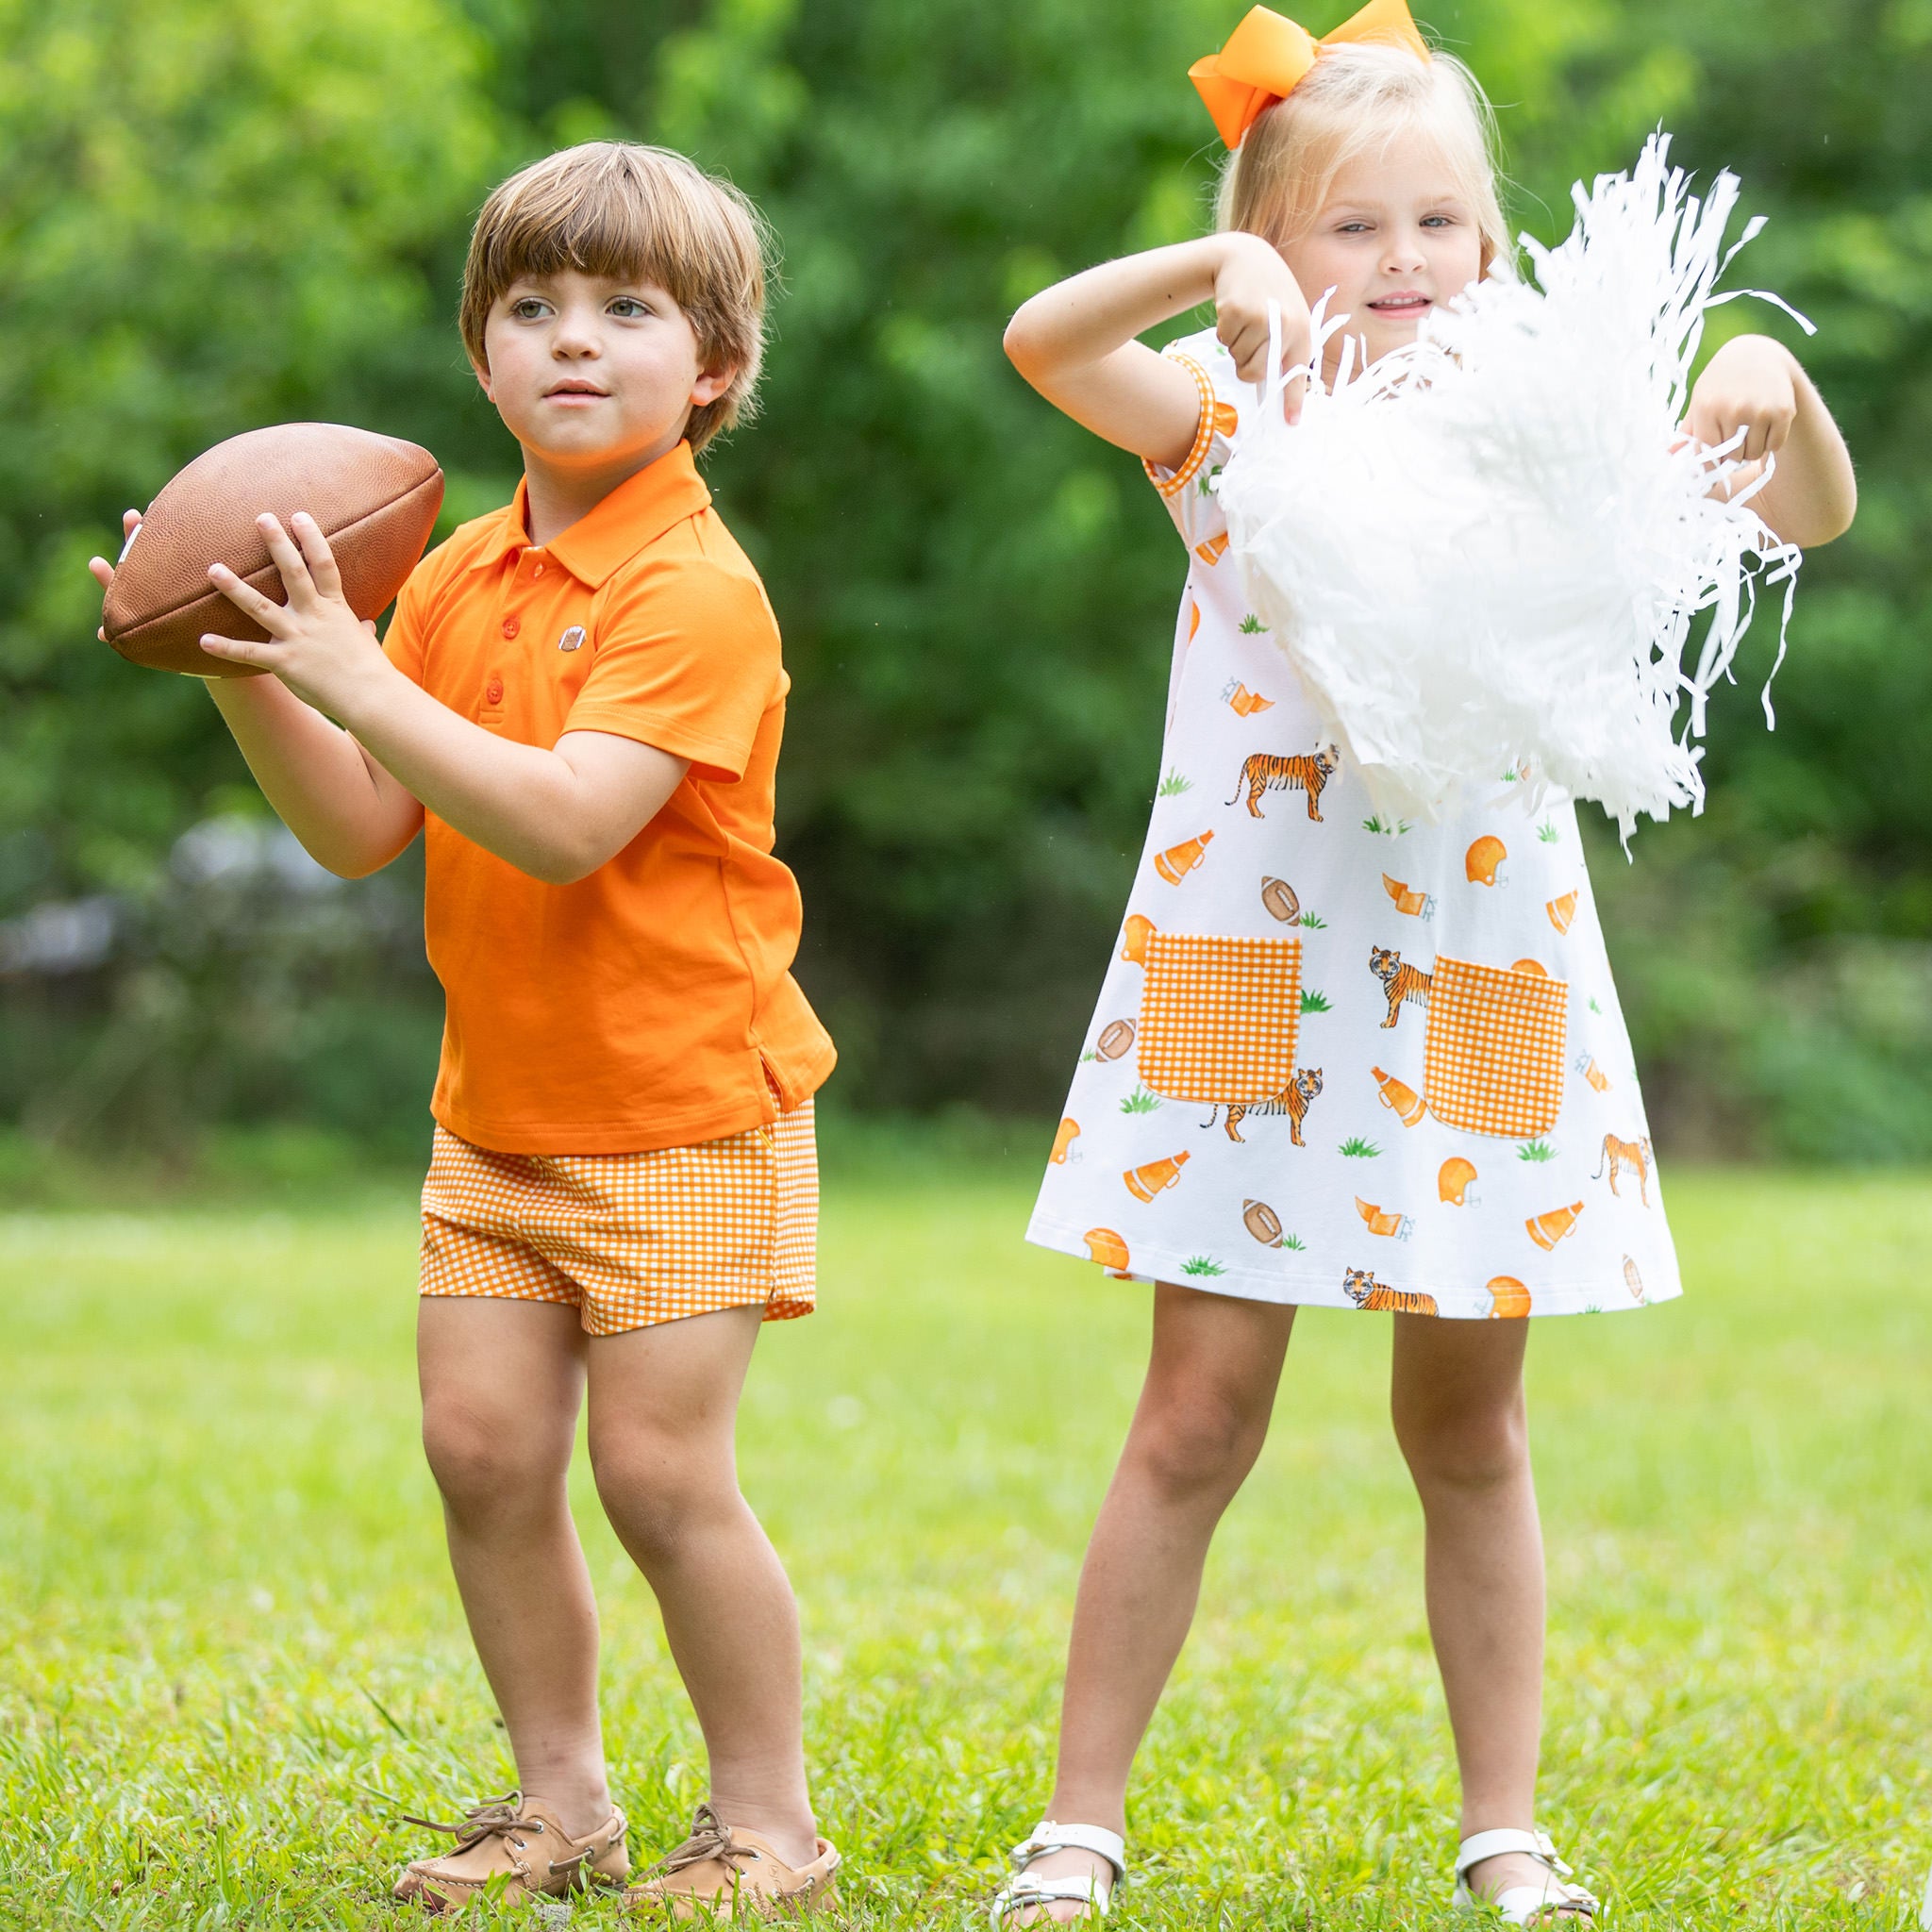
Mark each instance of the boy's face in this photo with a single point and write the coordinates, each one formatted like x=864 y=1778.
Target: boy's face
x=1394 y=239
x=587 y=371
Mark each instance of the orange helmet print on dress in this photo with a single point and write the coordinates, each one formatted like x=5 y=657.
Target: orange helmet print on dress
x=1483 y=858
x=1509 y=1299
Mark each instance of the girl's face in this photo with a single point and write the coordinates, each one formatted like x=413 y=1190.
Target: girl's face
x=1393 y=240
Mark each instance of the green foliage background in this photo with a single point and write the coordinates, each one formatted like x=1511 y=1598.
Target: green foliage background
x=216 y=213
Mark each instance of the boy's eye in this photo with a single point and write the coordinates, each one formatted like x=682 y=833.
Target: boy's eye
x=1439 y=222
x=529 y=308
x=1353 y=228
x=628 y=307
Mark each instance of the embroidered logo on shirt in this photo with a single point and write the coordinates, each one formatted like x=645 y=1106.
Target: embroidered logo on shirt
x=571 y=639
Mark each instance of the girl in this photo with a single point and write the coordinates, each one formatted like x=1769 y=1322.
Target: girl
x=1301 y=985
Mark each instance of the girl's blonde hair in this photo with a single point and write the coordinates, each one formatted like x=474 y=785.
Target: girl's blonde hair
x=1355 y=98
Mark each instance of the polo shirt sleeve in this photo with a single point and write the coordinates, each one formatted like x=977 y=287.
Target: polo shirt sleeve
x=402 y=643
x=687 y=661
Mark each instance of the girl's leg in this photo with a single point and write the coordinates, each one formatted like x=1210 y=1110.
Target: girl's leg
x=1462 y=1425
x=1201 y=1421
x=663 y=1410
x=501 y=1381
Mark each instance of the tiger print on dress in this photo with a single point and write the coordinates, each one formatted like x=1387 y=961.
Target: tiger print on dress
x=1309 y=772
x=1624 y=1155
x=1294 y=1100
x=1399 y=982
x=1365 y=1292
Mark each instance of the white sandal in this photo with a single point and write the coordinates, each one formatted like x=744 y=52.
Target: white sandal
x=1523 y=1904
x=1021 y=1892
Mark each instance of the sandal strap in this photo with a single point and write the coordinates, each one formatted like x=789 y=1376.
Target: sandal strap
x=1491 y=1844
x=1048 y=1837
x=1520 y=1903
x=1023 y=1893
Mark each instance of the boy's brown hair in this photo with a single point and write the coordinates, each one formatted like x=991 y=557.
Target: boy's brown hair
x=622 y=209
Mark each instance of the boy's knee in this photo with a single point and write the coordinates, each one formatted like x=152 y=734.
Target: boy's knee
x=655 y=1486
x=1198 y=1445
x=484 y=1459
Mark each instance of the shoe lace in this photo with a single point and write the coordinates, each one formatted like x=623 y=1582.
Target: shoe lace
x=497 y=1818
x=711 y=1838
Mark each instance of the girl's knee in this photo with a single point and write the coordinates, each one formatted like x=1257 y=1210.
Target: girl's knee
x=1471 y=1447
x=1196 y=1445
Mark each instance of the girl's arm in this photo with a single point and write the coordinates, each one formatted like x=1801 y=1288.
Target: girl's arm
x=1075 y=342
x=1756 y=385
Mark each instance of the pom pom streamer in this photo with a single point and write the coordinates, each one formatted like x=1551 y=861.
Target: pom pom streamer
x=1486 y=551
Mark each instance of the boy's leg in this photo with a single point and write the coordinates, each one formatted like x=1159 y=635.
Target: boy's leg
x=1458 y=1404
x=501 y=1382
x=1200 y=1423
x=664 y=1409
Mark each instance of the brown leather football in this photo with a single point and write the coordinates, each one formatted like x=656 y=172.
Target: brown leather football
x=376 y=498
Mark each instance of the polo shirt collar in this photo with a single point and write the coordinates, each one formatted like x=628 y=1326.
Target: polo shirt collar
x=638 y=511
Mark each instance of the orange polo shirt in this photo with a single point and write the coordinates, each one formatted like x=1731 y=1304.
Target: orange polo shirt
x=644 y=1006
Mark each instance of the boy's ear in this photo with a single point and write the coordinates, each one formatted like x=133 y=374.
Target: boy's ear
x=481 y=371
x=710 y=385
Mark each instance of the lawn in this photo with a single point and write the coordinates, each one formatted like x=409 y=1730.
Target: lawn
x=229 y=1654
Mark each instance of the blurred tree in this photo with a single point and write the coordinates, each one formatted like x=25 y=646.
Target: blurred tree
x=221 y=214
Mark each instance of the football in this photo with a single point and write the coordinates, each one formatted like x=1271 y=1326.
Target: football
x=375 y=497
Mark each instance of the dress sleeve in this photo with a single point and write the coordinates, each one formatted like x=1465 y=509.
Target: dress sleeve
x=688 y=660
x=1188 y=492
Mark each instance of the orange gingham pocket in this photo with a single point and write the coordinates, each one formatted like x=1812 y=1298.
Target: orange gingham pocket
x=1219 y=1017
x=1493 y=1062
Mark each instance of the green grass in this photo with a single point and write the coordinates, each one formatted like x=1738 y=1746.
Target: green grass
x=1356 y=1148
x=1314 y=1002
x=1140 y=1101
x=1174 y=785
x=1536 y=1151
x=230 y=1652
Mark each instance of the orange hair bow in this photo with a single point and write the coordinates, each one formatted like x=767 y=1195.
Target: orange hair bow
x=1268 y=57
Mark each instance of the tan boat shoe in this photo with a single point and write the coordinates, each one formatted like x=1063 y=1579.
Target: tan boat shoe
x=516 y=1844
x=724 y=1872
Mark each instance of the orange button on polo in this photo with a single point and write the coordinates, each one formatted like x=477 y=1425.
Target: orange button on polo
x=512 y=625
x=493 y=691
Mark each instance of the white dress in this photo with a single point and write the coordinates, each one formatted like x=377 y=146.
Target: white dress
x=1335 y=1061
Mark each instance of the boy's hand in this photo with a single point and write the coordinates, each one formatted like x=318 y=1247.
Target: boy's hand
x=316 y=644
x=102 y=571
x=1251 y=276
x=1749 y=385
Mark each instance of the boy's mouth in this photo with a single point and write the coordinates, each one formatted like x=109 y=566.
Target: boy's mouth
x=1403 y=306
x=574 y=391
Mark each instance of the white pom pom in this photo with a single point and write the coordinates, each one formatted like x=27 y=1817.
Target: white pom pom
x=1485 y=552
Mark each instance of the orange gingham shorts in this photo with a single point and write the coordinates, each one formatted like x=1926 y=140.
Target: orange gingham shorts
x=630 y=1240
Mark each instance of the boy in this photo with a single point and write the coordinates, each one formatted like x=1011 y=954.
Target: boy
x=580 y=700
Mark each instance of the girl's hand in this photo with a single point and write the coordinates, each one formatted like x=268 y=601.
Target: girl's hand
x=1751 y=384
x=1251 y=276
x=316 y=644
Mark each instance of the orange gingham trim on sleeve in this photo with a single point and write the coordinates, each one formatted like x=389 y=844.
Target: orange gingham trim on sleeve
x=631 y=1239
x=1493 y=1063
x=1219 y=1018
x=1204 y=431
